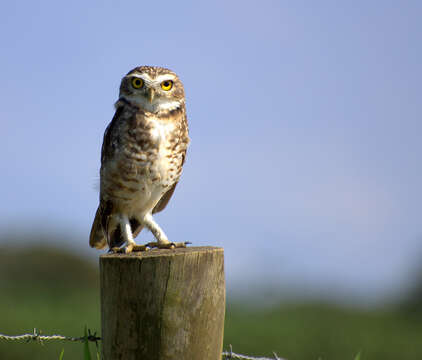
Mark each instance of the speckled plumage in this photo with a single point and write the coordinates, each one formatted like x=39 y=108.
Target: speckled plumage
x=143 y=152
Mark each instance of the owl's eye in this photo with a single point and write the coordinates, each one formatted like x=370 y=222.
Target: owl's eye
x=167 y=85
x=137 y=83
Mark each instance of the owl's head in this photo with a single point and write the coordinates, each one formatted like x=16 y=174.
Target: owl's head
x=153 y=89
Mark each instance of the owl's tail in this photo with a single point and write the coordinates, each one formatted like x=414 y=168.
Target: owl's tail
x=97 y=237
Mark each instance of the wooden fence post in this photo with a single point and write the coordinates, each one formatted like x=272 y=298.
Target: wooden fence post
x=163 y=304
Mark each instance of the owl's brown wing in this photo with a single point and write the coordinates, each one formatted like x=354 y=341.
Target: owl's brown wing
x=109 y=147
x=164 y=200
x=167 y=196
x=99 y=229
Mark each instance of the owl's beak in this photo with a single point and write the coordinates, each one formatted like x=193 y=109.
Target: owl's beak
x=151 y=93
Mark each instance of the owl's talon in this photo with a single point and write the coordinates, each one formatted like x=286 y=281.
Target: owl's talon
x=134 y=248
x=128 y=249
x=138 y=248
x=169 y=245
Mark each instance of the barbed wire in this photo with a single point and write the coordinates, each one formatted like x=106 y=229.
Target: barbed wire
x=231 y=355
x=38 y=337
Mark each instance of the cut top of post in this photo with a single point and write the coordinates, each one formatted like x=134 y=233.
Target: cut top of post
x=164 y=252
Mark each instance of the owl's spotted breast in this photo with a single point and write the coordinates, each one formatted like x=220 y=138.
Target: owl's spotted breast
x=146 y=159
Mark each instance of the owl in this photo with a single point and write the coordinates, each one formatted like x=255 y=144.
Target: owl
x=142 y=156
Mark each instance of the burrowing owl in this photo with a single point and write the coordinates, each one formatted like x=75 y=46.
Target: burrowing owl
x=143 y=152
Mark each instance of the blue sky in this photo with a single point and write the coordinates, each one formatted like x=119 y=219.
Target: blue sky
x=305 y=120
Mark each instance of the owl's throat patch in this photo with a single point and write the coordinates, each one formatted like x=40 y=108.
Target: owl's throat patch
x=159 y=104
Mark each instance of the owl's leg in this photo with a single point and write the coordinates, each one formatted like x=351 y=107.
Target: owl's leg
x=128 y=236
x=162 y=240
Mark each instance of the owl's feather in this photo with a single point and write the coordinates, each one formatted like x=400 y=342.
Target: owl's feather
x=97 y=237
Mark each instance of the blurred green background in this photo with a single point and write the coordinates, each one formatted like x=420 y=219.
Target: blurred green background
x=57 y=291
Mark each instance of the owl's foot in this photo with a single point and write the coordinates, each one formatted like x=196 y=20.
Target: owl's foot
x=168 y=245
x=129 y=248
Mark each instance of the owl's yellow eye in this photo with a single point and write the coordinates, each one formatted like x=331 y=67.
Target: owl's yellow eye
x=167 y=85
x=137 y=83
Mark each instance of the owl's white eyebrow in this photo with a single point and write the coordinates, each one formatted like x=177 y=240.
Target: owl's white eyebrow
x=143 y=76
x=165 y=77
x=159 y=78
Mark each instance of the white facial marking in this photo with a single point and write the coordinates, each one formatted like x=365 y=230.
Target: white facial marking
x=157 y=104
x=144 y=77
x=156 y=81
x=164 y=77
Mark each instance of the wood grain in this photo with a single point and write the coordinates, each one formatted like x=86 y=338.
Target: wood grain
x=163 y=304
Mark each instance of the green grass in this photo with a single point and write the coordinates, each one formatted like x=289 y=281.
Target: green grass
x=313 y=331
x=61 y=295
x=55 y=292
